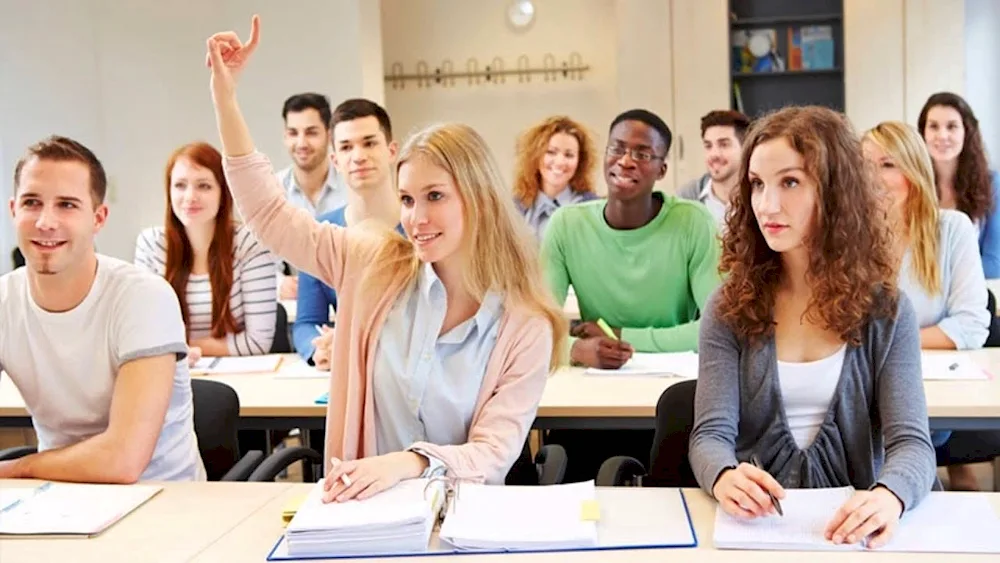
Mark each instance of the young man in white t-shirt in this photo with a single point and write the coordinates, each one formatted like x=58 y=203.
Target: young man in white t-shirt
x=95 y=345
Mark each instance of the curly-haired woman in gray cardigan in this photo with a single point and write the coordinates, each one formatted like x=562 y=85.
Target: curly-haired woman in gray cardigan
x=810 y=356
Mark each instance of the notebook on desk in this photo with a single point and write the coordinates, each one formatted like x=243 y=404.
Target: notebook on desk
x=944 y=522
x=223 y=365
x=68 y=510
x=950 y=366
x=501 y=519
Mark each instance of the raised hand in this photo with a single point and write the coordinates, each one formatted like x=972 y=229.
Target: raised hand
x=227 y=56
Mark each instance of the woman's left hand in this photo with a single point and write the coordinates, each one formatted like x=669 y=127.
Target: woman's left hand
x=866 y=513
x=371 y=475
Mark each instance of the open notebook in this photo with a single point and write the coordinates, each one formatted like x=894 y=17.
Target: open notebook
x=666 y=364
x=942 y=523
x=490 y=519
x=68 y=509
x=221 y=365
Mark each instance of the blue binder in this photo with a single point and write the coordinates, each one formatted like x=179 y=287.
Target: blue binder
x=279 y=552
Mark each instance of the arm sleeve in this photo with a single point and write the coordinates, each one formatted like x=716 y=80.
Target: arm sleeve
x=910 y=464
x=716 y=401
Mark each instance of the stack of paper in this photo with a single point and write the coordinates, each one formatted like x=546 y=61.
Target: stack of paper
x=950 y=365
x=942 y=523
x=221 y=365
x=680 y=364
x=509 y=518
x=395 y=521
x=67 y=509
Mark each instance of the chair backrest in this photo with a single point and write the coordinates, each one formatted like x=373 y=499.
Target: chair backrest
x=216 y=423
x=668 y=463
x=523 y=472
x=282 y=344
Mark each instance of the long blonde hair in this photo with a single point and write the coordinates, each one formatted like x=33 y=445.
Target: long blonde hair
x=501 y=252
x=903 y=145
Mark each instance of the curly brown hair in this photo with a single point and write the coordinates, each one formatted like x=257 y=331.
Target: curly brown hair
x=973 y=185
x=531 y=147
x=852 y=268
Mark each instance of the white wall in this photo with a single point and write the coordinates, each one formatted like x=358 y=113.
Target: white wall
x=935 y=51
x=127 y=78
x=982 y=80
x=436 y=30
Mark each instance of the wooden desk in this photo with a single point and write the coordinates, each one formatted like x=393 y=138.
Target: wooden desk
x=253 y=539
x=571 y=400
x=175 y=525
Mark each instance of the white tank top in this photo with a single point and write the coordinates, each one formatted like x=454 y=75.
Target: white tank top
x=806 y=391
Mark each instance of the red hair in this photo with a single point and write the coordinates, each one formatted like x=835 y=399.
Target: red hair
x=180 y=256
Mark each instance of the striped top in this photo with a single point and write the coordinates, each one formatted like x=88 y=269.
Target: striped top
x=253 y=299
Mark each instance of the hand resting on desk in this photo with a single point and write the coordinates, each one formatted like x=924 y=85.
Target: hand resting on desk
x=869 y=515
x=601 y=352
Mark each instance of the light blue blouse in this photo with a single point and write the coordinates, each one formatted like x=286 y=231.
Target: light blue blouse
x=426 y=386
x=959 y=310
x=541 y=210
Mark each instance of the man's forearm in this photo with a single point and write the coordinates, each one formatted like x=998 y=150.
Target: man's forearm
x=95 y=460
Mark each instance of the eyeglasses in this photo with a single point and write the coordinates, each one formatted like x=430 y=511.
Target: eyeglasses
x=638 y=155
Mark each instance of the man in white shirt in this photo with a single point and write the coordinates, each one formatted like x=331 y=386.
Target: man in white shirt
x=311 y=182
x=95 y=345
x=722 y=133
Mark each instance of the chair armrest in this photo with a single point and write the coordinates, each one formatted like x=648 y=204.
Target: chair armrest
x=620 y=471
x=17 y=452
x=280 y=460
x=244 y=467
x=551 y=461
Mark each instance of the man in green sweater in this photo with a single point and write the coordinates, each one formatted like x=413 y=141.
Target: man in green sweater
x=642 y=261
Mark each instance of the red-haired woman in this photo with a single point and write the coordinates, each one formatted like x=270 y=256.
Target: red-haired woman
x=555 y=165
x=224 y=278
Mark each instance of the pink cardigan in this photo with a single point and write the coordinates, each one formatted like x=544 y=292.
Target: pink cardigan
x=515 y=374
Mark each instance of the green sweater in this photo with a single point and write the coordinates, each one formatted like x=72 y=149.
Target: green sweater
x=651 y=281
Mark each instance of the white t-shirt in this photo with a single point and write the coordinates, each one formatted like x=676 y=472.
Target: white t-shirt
x=65 y=364
x=806 y=391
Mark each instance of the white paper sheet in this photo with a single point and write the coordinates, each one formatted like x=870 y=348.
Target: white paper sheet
x=672 y=364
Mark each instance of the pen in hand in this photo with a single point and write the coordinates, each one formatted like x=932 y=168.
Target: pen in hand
x=774 y=500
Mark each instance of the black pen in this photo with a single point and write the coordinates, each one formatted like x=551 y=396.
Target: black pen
x=774 y=500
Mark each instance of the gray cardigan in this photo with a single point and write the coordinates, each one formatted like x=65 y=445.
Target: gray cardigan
x=876 y=431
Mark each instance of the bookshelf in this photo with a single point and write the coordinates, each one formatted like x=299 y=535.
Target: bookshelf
x=786 y=52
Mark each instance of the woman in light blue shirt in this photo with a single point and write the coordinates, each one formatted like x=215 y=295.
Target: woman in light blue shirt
x=961 y=170
x=940 y=271
x=555 y=164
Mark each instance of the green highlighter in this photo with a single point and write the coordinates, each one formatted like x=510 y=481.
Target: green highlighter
x=607 y=329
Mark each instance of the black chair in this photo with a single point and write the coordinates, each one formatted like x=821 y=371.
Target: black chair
x=282 y=343
x=216 y=421
x=548 y=467
x=669 y=465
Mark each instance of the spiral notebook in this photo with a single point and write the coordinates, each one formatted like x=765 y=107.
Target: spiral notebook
x=478 y=518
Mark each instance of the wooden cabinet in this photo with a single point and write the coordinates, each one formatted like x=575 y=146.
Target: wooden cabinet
x=672 y=60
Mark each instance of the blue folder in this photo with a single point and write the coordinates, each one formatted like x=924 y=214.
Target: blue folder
x=279 y=553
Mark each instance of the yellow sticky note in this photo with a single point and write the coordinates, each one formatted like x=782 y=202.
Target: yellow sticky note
x=590 y=511
x=291 y=508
